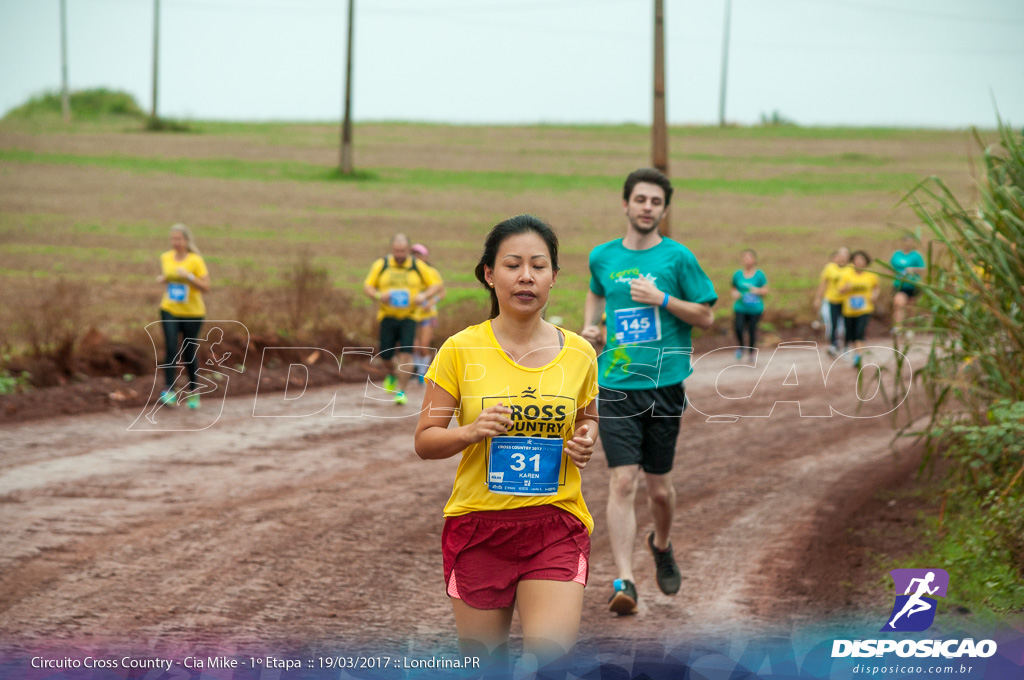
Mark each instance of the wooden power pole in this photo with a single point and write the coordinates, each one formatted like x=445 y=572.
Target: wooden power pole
x=659 y=130
x=65 y=98
x=346 y=125
x=156 y=55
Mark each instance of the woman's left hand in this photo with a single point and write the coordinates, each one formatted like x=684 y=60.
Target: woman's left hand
x=581 y=447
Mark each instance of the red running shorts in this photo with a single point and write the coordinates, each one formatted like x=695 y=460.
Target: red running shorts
x=487 y=554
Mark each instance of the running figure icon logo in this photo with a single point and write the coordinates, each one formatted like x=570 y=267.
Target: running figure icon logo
x=914 y=610
x=215 y=365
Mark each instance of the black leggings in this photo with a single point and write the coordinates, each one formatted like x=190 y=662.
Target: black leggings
x=748 y=323
x=856 y=326
x=835 y=311
x=175 y=326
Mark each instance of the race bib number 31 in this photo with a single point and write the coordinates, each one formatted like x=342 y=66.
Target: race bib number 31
x=637 y=324
x=524 y=466
x=177 y=292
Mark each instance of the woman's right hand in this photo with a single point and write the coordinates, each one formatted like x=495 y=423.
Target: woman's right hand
x=493 y=421
x=161 y=279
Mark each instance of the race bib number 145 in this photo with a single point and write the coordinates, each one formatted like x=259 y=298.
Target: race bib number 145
x=637 y=324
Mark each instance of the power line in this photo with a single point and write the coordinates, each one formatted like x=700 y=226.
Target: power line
x=876 y=49
x=437 y=14
x=477 y=7
x=907 y=11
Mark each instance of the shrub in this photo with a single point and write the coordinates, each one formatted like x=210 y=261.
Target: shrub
x=85 y=104
x=989 y=453
x=776 y=119
x=50 y=321
x=166 y=125
x=11 y=384
x=307 y=290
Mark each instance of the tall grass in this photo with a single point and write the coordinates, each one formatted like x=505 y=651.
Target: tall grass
x=975 y=283
x=974 y=299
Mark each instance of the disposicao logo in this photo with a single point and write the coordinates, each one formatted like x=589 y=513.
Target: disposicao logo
x=914 y=611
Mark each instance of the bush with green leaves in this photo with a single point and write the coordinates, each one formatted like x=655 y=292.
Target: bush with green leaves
x=85 y=104
x=11 y=384
x=990 y=453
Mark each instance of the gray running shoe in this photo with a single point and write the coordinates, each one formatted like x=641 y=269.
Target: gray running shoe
x=669 y=576
x=623 y=600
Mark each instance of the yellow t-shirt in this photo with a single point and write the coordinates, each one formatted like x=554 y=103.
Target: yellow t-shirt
x=181 y=298
x=857 y=301
x=831 y=274
x=399 y=284
x=428 y=310
x=472 y=367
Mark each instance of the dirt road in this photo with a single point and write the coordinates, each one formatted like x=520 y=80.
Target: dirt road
x=270 y=531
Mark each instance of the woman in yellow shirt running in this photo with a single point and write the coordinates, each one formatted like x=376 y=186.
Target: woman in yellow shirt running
x=860 y=289
x=182 y=310
x=517 y=531
x=831 y=310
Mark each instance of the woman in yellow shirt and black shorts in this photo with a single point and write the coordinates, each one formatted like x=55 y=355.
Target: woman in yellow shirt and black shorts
x=860 y=289
x=182 y=310
x=517 y=531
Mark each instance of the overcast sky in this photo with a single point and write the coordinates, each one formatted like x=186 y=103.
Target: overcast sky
x=936 y=63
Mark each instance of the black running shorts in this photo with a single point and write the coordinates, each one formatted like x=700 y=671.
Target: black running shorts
x=640 y=427
x=396 y=335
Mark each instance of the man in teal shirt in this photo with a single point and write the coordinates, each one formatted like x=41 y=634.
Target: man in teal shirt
x=908 y=265
x=652 y=292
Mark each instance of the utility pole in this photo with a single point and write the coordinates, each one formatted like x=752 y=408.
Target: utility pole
x=65 y=99
x=156 y=54
x=725 y=64
x=346 y=125
x=659 y=130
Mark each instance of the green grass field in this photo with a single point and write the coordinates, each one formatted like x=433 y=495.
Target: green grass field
x=92 y=202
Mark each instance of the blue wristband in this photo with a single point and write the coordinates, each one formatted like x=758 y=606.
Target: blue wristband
x=664 y=303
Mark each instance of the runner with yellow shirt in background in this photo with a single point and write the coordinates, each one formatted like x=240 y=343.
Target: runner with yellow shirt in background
x=860 y=289
x=399 y=284
x=517 y=531
x=182 y=310
x=828 y=290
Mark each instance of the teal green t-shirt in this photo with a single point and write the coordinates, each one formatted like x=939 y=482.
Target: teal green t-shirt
x=647 y=346
x=900 y=261
x=748 y=303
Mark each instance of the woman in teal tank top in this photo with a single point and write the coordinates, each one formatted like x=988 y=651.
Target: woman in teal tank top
x=749 y=286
